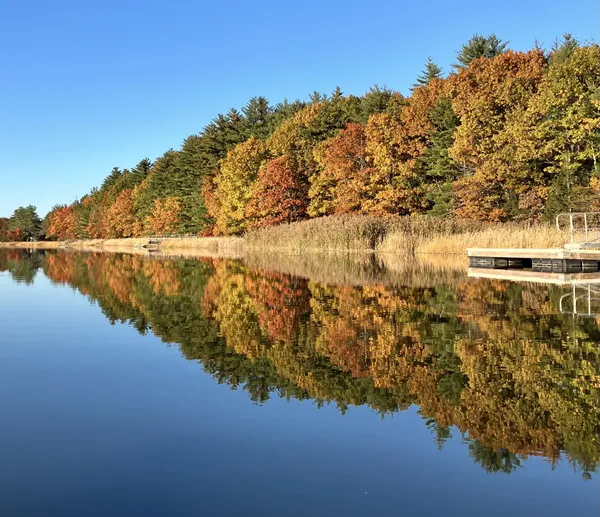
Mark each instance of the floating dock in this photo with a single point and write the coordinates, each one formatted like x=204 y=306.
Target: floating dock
x=556 y=260
x=577 y=264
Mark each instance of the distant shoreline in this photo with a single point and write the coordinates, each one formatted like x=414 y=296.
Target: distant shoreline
x=338 y=234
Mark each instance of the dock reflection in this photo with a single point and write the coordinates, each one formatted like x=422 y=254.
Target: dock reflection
x=582 y=290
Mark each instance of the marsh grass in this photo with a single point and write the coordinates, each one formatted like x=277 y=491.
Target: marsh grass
x=356 y=233
x=404 y=235
x=334 y=233
x=497 y=236
x=226 y=246
x=47 y=245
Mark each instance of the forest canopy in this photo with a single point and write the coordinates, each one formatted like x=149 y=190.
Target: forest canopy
x=505 y=135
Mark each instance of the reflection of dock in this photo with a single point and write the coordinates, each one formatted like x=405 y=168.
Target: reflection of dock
x=541 y=253
x=582 y=298
x=539 y=277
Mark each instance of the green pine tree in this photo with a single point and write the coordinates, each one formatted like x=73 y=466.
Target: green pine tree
x=141 y=170
x=568 y=194
x=376 y=100
x=285 y=110
x=431 y=71
x=111 y=179
x=437 y=168
x=479 y=46
x=257 y=118
x=562 y=50
x=28 y=222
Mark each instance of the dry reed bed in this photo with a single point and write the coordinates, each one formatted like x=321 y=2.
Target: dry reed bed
x=47 y=245
x=213 y=245
x=418 y=234
x=498 y=236
x=355 y=233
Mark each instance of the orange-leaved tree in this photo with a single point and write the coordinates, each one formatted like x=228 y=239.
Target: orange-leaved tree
x=279 y=194
x=61 y=223
x=344 y=181
x=487 y=97
x=164 y=217
x=121 y=217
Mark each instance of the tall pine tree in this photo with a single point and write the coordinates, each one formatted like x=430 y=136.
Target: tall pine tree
x=479 y=46
x=431 y=71
x=562 y=50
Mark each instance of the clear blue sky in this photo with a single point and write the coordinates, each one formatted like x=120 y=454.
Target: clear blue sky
x=91 y=85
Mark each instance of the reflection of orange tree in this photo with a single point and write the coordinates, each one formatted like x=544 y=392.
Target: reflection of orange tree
x=357 y=333
x=354 y=349
x=163 y=276
x=229 y=303
x=376 y=332
x=270 y=306
x=249 y=324
x=59 y=267
x=282 y=302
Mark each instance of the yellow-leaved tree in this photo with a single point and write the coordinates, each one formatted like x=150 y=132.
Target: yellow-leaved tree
x=234 y=181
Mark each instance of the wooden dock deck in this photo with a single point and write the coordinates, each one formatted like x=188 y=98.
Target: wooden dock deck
x=542 y=253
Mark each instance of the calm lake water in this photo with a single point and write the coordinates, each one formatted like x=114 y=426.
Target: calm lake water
x=142 y=386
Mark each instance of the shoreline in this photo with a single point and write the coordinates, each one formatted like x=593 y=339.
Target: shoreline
x=406 y=236
x=211 y=245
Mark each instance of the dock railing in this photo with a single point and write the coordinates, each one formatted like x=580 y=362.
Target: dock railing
x=583 y=227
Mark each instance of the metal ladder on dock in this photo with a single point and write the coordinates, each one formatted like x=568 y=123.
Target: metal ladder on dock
x=583 y=228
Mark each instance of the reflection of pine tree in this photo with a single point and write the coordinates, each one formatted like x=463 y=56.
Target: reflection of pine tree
x=494 y=460
x=26 y=267
x=441 y=433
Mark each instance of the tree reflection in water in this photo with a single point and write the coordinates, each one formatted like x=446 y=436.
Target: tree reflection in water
x=492 y=360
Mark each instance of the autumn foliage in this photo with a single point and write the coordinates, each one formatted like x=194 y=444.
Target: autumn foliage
x=61 y=223
x=6 y=234
x=506 y=136
x=121 y=216
x=164 y=216
x=278 y=195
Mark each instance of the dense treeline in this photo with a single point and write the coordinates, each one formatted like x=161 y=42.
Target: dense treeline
x=505 y=136
x=495 y=361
